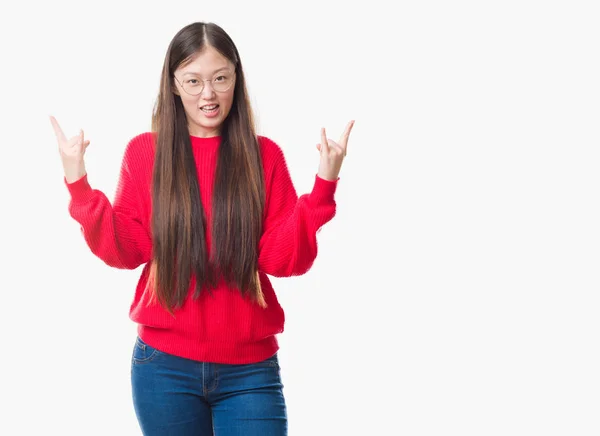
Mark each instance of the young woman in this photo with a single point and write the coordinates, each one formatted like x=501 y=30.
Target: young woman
x=209 y=208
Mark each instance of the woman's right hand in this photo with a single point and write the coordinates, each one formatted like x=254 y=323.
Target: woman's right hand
x=71 y=152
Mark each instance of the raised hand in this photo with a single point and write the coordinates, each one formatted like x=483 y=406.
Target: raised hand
x=71 y=152
x=333 y=153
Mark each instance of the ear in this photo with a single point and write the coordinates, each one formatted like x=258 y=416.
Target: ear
x=174 y=89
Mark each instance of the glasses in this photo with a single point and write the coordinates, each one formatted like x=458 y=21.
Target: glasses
x=220 y=83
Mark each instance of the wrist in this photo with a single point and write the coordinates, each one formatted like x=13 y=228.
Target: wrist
x=74 y=173
x=327 y=175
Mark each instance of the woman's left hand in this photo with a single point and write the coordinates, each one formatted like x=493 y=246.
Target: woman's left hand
x=332 y=154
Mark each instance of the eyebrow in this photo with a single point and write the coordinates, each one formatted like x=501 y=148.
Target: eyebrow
x=195 y=73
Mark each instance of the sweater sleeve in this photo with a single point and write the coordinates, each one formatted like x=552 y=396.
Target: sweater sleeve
x=288 y=245
x=114 y=232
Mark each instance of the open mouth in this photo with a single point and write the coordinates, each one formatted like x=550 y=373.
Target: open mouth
x=210 y=109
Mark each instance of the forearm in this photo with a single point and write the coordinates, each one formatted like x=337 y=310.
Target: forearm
x=289 y=245
x=113 y=234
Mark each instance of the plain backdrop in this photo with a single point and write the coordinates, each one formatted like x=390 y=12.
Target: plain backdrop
x=456 y=290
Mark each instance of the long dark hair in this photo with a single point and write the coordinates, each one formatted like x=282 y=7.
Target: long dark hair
x=178 y=218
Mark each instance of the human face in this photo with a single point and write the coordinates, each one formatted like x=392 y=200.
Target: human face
x=207 y=110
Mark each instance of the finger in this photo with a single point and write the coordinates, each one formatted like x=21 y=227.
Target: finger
x=76 y=141
x=332 y=145
x=346 y=134
x=324 y=145
x=60 y=135
x=337 y=147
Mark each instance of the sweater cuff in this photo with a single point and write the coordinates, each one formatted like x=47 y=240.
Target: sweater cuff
x=323 y=191
x=80 y=190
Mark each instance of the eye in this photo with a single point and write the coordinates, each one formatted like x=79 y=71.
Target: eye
x=220 y=78
x=192 y=81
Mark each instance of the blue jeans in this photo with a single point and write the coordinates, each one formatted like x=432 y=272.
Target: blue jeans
x=177 y=396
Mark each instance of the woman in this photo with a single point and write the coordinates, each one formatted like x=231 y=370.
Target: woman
x=209 y=208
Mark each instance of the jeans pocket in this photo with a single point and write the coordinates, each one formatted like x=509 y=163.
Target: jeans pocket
x=142 y=352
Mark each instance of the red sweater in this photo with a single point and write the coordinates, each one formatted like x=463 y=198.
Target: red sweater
x=222 y=327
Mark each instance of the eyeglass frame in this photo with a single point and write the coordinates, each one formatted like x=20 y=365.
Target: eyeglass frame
x=203 y=85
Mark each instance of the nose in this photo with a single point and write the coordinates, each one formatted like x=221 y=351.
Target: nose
x=207 y=92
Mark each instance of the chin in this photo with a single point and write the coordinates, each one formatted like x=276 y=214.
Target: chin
x=212 y=124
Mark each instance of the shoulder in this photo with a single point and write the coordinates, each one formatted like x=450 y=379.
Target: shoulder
x=139 y=151
x=268 y=145
x=272 y=153
x=141 y=141
x=140 y=145
x=275 y=166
